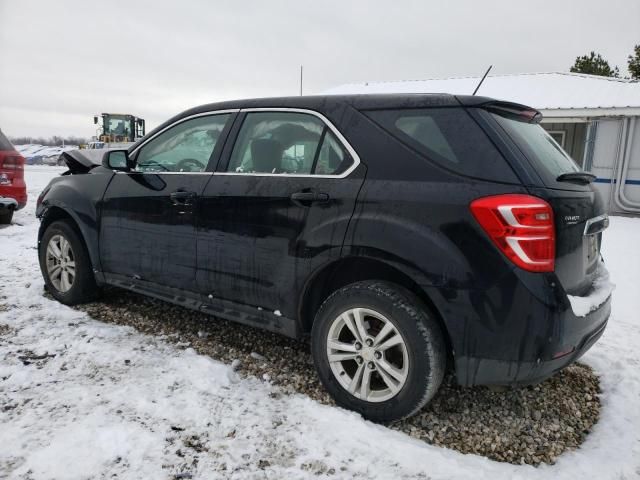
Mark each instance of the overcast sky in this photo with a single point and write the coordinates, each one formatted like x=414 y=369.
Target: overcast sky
x=61 y=62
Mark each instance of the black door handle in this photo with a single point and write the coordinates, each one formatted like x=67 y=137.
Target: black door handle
x=181 y=197
x=307 y=198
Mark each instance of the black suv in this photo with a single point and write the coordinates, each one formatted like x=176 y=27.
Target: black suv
x=402 y=233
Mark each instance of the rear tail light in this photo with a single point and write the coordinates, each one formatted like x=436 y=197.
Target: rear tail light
x=521 y=226
x=12 y=162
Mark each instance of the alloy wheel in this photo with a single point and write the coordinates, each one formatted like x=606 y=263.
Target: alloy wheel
x=367 y=355
x=61 y=265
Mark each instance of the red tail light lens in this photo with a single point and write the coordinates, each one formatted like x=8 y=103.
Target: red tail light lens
x=12 y=162
x=522 y=228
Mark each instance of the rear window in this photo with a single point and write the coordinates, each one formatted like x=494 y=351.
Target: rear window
x=5 y=144
x=448 y=137
x=539 y=147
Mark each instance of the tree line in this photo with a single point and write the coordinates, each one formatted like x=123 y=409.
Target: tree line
x=595 y=64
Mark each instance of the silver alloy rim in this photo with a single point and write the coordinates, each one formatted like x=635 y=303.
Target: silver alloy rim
x=367 y=355
x=61 y=265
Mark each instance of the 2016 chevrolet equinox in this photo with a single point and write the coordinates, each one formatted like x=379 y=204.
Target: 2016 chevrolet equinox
x=402 y=233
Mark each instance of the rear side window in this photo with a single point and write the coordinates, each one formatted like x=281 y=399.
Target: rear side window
x=287 y=143
x=448 y=137
x=5 y=144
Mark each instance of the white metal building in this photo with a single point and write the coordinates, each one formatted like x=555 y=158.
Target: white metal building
x=595 y=119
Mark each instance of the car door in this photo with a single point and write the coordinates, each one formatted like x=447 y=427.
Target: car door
x=277 y=208
x=147 y=231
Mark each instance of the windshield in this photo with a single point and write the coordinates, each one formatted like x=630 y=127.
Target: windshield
x=538 y=146
x=117 y=125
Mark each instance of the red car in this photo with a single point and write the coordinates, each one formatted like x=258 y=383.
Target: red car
x=13 y=190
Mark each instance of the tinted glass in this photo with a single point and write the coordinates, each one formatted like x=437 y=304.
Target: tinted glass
x=332 y=159
x=448 y=137
x=426 y=131
x=186 y=147
x=276 y=142
x=5 y=144
x=287 y=143
x=538 y=146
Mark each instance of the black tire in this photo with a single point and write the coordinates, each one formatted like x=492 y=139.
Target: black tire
x=5 y=217
x=418 y=328
x=83 y=287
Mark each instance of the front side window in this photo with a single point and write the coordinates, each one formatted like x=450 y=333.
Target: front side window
x=186 y=147
x=286 y=143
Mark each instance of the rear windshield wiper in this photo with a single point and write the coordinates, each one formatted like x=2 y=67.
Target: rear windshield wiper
x=581 y=178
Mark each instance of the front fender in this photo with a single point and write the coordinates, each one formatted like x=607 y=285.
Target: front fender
x=78 y=197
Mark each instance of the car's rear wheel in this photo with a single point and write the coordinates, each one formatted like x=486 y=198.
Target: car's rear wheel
x=5 y=217
x=378 y=350
x=65 y=264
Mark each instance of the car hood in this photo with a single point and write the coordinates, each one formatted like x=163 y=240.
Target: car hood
x=81 y=161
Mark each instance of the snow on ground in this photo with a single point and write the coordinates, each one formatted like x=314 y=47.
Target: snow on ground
x=83 y=399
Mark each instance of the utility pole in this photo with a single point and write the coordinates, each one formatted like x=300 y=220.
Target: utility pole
x=301 y=80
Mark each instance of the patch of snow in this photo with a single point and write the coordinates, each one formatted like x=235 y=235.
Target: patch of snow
x=602 y=289
x=83 y=412
x=257 y=356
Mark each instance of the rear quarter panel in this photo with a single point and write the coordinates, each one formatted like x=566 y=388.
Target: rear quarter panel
x=415 y=216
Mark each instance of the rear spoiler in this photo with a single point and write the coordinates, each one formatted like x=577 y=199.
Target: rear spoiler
x=517 y=111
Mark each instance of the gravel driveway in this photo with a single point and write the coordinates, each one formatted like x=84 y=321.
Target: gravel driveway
x=529 y=425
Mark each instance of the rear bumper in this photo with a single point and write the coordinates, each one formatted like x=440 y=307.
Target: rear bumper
x=516 y=331
x=579 y=334
x=8 y=204
x=12 y=198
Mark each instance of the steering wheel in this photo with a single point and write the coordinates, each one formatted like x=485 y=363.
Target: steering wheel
x=190 y=165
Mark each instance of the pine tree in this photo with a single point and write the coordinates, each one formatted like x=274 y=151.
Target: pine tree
x=594 y=64
x=634 y=63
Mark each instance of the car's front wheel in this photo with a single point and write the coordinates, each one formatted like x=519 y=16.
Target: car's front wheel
x=378 y=350
x=65 y=264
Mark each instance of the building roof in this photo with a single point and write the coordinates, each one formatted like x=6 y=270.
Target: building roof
x=555 y=93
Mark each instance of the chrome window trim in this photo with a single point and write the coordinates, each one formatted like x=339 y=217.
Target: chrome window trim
x=163 y=173
x=345 y=144
x=343 y=141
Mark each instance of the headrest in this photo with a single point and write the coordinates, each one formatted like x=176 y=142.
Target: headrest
x=266 y=155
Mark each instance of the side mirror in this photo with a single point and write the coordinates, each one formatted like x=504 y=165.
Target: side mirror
x=116 y=160
x=95 y=120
